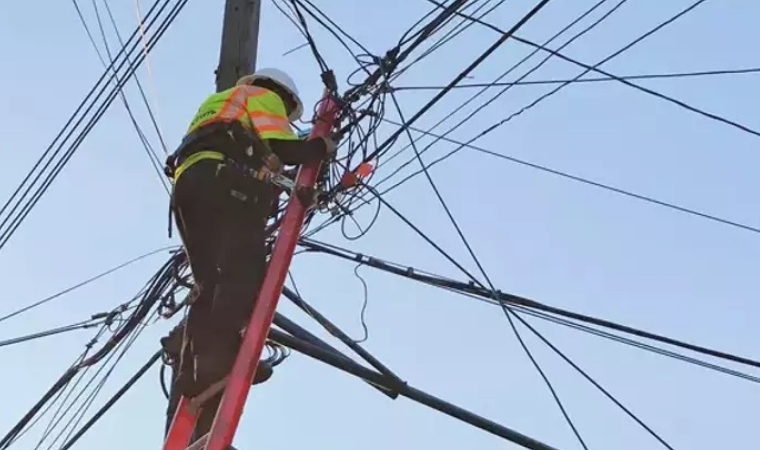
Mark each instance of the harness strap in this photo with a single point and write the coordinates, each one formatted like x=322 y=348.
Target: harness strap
x=230 y=140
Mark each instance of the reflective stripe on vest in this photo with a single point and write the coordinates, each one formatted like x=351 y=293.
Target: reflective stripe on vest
x=194 y=158
x=253 y=106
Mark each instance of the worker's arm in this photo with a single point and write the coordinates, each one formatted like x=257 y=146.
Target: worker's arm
x=295 y=151
x=268 y=115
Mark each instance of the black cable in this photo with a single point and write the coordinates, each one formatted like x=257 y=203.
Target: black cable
x=658 y=76
x=78 y=415
x=148 y=108
x=568 y=176
x=74 y=115
x=365 y=304
x=441 y=42
x=395 y=56
x=154 y=159
x=83 y=283
x=388 y=141
x=470 y=290
x=54 y=393
x=82 y=409
x=309 y=39
x=112 y=401
x=595 y=68
x=504 y=74
x=6 y=234
x=470 y=250
x=152 y=294
x=606 y=335
x=457 y=30
x=86 y=324
x=507 y=312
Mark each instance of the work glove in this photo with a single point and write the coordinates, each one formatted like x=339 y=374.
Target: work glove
x=273 y=163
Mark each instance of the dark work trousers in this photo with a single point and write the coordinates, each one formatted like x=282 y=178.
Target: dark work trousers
x=221 y=216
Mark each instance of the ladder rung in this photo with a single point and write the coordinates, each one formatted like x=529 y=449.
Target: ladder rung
x=206 y=395
x=200 y=444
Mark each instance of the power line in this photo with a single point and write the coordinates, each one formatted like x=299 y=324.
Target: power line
x=659 y=76
x=150 y=151
x=507 y=311
x=457 y=30
x=595 y=68
x=607 y=187
x=479 y=60
x=52 y=332
x=503 y=75
x=112 y=401
x=155 y=291
x=514 y=300
x=84 y=283
x=493 y=293
x=45 y=184
x=565 y=175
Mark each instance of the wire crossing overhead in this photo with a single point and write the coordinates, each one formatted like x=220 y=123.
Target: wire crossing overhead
x=84 y=118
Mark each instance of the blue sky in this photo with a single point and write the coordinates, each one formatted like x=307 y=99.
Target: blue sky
x=540 y=236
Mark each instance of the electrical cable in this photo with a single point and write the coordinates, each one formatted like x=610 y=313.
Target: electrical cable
x=652 y=76
x=8 y=232
x=595 y=68
x=155 y=161
x=83 y=325
x=78 y=415
x=84 y=283
x=470 y=250
x=503 y=75
x=483 y=56
x=112 y=401
x=538 y=309
x=569 y=176
x=458 y=29
x=508 y=313
x=155 y=290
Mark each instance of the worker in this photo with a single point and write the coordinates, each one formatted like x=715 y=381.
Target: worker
x=221 y=201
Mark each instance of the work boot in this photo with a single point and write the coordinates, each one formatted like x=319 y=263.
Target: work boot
x=211 y=368
x=263 y=373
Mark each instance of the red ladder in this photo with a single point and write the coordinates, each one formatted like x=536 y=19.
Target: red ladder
x=238 y=383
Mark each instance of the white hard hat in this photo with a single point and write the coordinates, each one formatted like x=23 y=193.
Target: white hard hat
x=284 y=81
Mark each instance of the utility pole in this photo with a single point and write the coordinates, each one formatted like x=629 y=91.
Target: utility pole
x=240 y=39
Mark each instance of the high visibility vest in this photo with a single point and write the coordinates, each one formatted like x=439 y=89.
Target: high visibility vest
x=255 y=107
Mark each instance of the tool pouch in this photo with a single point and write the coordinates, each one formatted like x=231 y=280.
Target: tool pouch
x=241 y=186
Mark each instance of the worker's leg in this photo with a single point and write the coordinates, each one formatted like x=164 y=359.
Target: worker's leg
x=197 y=215
x=172 y=348
x=241 y=257
x=234 y=241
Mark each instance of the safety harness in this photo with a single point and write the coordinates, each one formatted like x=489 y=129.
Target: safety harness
x=222 y=141
x=229 y=142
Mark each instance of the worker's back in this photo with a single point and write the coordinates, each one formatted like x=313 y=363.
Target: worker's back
x=246 y=103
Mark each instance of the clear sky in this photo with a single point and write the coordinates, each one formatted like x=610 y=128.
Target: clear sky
x=538 y=235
